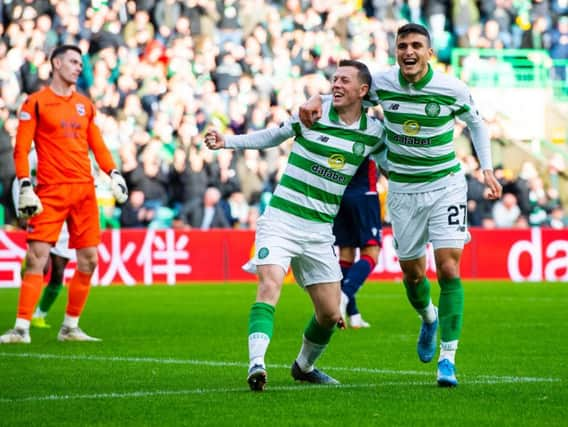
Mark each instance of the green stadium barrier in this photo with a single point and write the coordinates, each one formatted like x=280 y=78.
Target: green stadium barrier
x=511 y=68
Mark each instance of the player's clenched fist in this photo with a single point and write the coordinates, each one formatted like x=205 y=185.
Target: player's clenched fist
x=28 y=203
x=214 y=140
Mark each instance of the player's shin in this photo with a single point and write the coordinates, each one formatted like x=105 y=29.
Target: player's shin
x=354 y=279
x=29 y=294
x=315 y=340
x=451 y=316
x=50 y=293
x=79 y=287
x=419 y=297
x=261 y=327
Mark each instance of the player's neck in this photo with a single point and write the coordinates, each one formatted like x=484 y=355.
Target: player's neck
x=349 y=114
x=61 y=88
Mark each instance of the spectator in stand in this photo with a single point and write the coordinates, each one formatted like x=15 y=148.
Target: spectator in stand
x=559 y=46
x=493 y=37
x=506 y=211
x=537 y=37
x=559 y=8
x=139 y=31
x=167 y=70
x=537 y=201
x=252 y=172
x=166 y=14
x=479 y=206
x=224 y=175
x=208 y=212
x=150 y=178
x=133 y=214
x=188 y=181
x=557 y=218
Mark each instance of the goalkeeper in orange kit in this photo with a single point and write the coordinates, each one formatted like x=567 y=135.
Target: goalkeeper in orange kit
x=61 y=123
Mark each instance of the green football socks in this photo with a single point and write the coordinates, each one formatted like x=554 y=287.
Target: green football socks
x=450 y=310
x=50 y=293
x=317 y=333
x=315 y=341
x=419 y=295
x=261 y=327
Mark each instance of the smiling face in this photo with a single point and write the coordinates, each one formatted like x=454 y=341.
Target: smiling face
x=413 y=52
x=347 y=89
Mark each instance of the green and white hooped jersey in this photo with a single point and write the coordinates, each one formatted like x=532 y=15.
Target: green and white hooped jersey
x=419 y=126
x=321 y=163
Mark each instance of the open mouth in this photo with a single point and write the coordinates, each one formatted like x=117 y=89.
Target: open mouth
x=337 y=95
x=410 y=61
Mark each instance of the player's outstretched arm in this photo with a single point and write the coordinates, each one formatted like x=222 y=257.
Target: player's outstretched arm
x=495 y=188
x=265 y=138
x=311 y=111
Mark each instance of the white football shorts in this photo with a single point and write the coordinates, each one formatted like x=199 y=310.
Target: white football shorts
x=61 y=247
x=285 y=240
x=438 y=216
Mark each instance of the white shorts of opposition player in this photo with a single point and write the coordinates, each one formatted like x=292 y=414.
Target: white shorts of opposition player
x=61 y=247
x=438 y=216
x=285 y=240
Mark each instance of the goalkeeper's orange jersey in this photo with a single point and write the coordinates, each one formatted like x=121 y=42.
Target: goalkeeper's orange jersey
x=63 y=130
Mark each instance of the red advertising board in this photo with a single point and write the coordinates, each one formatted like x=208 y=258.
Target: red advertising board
x=142 y=256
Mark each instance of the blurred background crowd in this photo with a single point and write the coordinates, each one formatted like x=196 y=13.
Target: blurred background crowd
x=161 y=71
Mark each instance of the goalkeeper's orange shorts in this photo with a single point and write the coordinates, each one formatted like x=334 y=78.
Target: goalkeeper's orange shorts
x=75 y=203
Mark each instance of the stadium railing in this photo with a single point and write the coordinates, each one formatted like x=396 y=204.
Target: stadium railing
x=513 y=68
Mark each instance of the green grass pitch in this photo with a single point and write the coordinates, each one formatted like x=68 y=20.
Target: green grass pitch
x=178 y=356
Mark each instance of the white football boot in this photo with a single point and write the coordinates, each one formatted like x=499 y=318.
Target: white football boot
x=74 y=334
x=16 y=336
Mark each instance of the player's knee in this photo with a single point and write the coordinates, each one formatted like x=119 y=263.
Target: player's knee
x=447 y=269
x=36 y=262
x=371 y=252
x=413 y=277
x=329 y=319
x=87 y=262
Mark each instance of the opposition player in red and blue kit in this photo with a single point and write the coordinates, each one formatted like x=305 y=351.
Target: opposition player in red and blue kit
x=358 y=226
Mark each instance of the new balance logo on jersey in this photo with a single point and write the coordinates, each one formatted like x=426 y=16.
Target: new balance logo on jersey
x=394 y=107
x=323 y=138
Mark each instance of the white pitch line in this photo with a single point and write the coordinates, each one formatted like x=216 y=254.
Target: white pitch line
x=167 y=361
x=480 y=379
x=201 y=391
x=134 y=394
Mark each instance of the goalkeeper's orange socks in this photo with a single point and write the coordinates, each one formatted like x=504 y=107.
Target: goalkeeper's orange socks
x=261 y=327
x=79 y=287
x=29 y=294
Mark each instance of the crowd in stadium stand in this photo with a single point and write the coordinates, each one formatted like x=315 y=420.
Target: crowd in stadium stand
x=160 y=72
